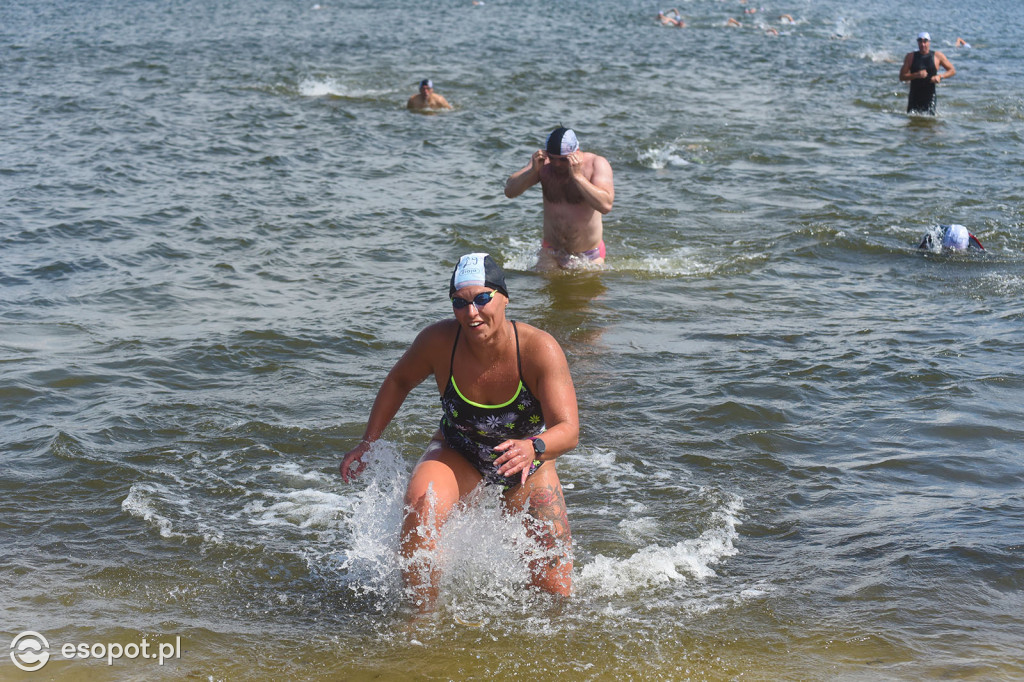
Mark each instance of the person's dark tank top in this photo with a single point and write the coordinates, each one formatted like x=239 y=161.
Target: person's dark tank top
x=924 y=61
x=922 y=90
x=473 y=429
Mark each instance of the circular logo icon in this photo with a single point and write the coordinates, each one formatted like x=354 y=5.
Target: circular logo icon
x=29 y=651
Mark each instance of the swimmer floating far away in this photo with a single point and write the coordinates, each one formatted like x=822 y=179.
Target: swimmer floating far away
x=667 y=20
x=509 y=410
x=427 y=98
x=949 y=238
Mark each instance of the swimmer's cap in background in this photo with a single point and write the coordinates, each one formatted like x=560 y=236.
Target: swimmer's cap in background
x=426 y=83
x=562 y=142
x=924 y=35
x=955 y=237
x=477 y=269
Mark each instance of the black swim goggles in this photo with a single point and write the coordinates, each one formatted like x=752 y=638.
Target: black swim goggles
x=480 y=300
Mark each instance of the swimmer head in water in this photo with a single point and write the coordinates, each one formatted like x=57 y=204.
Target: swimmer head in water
x=953 y=238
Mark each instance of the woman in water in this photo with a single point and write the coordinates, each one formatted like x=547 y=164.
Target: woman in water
x=509 y=410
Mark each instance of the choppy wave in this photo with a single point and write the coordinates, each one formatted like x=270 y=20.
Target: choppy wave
x=324 y=86
x=654 y=565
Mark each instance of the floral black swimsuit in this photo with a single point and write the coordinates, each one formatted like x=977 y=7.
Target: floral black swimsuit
x=472 y=429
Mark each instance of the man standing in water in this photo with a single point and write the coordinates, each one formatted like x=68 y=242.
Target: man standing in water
x=921 y=69
x=578 y=190
x=427 y=98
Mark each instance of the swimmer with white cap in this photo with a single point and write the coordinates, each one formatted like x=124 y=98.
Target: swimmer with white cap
x=509 y=410
x=427 y=98
x=667 y=20
x=953 y=238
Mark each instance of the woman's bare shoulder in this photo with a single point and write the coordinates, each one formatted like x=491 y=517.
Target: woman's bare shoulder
x=533 y=340
x=440 y=333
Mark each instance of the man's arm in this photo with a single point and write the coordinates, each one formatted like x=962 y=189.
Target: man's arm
x=942 y=61
x=526 y=177
x=599 y=189
x=905 y=74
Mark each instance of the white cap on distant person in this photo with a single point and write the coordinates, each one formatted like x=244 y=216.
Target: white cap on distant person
x=955 y=237
x=924 y=35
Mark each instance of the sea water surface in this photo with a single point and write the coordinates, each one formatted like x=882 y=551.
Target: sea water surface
x=801 y=439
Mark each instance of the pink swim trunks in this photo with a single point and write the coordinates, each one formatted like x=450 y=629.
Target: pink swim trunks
x=563 y=256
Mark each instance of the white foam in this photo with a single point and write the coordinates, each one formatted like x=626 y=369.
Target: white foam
x=484 y=550
x=294 y=475
x=684 y=261
x=659 y=157
x=371 y=522
x=654 y=566
x=523 y=253
x=879 y=56
x=637 y=529
x=325 y=86
x=935 y=245
x=600 y=468
x=483 y=553
x=302 y=508
x=139 y=503
x=153 y=503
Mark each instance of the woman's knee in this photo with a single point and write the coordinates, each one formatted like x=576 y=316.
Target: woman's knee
x=553 y=575
x=438 y=482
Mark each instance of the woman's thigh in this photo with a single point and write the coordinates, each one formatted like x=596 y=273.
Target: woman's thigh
x=441 y=478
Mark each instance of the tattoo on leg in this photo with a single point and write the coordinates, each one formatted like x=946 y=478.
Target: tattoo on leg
x=547 y=507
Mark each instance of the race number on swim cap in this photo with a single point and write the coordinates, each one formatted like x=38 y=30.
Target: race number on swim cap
x=562 y=142
x=470 y=272
x=477 y=270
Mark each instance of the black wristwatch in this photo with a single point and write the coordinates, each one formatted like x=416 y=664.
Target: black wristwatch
x=538 y=445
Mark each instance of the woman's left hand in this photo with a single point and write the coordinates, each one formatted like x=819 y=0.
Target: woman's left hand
x=516 y=457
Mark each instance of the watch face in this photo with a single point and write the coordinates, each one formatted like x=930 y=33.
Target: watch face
x=539 y=446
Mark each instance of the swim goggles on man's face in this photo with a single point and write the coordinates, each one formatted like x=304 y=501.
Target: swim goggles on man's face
x=480 y=300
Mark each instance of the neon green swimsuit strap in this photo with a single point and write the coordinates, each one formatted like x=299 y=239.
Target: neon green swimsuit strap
x=519 y=363
x=519 y=389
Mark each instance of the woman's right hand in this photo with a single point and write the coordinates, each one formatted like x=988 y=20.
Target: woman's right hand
x=352 y=464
